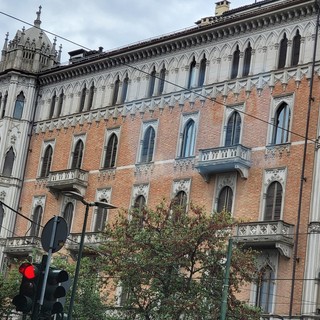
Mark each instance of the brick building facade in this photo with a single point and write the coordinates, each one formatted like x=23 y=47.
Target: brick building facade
x=216 y=114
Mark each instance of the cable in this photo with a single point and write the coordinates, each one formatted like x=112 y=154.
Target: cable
x=170 y=82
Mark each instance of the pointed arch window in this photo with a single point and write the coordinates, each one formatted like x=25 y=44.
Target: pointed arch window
x=180 y=201
x=283 y=52
x=124 y=91
x=77 y=155
x=46 y=162
x=52 y=105
x=247 y=60
x=100 y=219
x=281 y=125
x=115 y=91
x=18 y=107
x=273 y=202
x=139 y=204
x=202 y=71
x=233 y=130
x=111 y=151
x=60 y=104
x=82 y=98
x=1 y=216
x=295 y=49
x=162 y=77
x=192 y=74
x=68 y=214
x=148 y=145
x=8 y=163
x=188 y=139
x=91 y=95
x=225 y=199
x=235 y=63
x=5 y=99
x=265 y=289
x=152 y=81
x=36 y=220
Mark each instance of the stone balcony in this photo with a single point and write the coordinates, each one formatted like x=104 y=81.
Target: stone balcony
x=267 y=235
x=91 y=240
x=22 y=246
x=69 y=179
x=224 y=159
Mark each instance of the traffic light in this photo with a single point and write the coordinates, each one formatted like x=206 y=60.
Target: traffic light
x=30 y=283
x=55 y=292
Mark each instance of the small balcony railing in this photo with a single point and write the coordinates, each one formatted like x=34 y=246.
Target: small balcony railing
x=91 y=240
x=267 y=234
x=20 y=246
x=224 y=159
x=68 y=179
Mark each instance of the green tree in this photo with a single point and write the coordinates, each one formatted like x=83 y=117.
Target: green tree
x=171 y=265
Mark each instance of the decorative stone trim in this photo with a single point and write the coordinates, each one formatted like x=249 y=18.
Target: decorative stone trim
x=274 y=151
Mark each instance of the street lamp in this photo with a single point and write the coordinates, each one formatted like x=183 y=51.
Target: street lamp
x=77 y=196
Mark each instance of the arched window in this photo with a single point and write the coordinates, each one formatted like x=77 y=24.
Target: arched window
x=82 y=98
x=36 y=220
x=265 y=289
x=202 y=71
x=148 y=145
x=68 y=214
x=139 y=203
x=91 y=95
x=225 y=199
x=124 y=91
x=273 y=202
x=18 y=107
x=115 y=91
x=60 y=103
x=188 y=139
x=46 y=162
x=100 y=219
x=111 y=151
x=162 y=77
x=233 y=130
x=235 y=63
x=77 y=155
x=1 y=216
x=283 y=52
x=247 y=60
x=295 y=49
x=8 y=163
x=192 y=74
x=5 y=99
x=180 y=201
x=281 y=124
x=152 y=81
x=52 y=105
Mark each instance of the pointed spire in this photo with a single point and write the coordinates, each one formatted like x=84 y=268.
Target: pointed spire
x=5 y=45
x=37 y=22
x=59 y=54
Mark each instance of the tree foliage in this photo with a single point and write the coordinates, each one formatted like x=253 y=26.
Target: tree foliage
x=171 y=265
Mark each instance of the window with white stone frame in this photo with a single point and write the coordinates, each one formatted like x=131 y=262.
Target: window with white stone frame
x=139 y=196
x=273 y=194
x=77 y=151
x=100 y=217
x=181 y=193
x=225 y=191
x=36 y=216
x=111 y=148
x=147 y=141
x=233 y=123
x=46 y=158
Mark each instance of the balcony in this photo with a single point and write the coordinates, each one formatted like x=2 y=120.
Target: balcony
x=224 y=159
x=267 y=235
x=22 y=246
x=70 y=179
x=91 y=240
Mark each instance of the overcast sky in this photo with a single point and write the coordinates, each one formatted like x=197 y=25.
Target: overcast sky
x=106 y=23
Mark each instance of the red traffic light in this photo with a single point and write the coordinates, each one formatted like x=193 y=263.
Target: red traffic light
x=28 y=270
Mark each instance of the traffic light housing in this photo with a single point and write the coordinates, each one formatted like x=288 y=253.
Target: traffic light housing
x=55 y=292
x=30 y=283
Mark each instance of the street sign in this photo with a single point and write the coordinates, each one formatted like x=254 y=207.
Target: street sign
x=60 y=236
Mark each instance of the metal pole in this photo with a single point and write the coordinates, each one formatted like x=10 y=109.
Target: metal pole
x=224 y=303
x=76 y=274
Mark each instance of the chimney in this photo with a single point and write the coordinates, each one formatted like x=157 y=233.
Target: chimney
x=222 y=7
